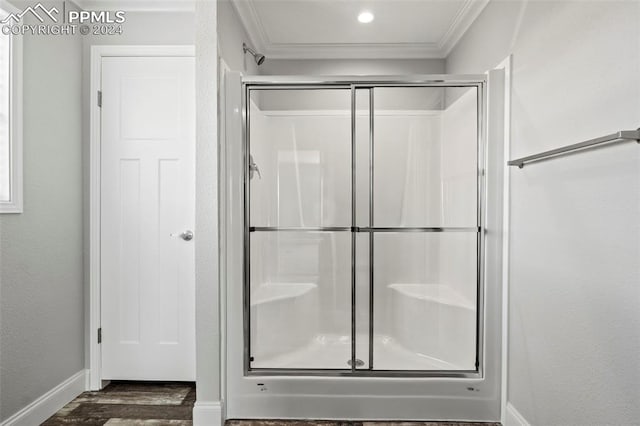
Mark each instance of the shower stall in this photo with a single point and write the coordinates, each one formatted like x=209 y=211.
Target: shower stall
x=357 y=248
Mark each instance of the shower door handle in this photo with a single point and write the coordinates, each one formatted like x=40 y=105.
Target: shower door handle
x=253 y=168
x=186 y=235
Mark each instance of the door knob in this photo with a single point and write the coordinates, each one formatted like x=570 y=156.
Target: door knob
x=186 y=235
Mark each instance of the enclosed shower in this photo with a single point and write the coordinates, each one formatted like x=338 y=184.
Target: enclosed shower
x=362 y=238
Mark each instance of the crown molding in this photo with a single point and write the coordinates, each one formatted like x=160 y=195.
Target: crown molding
x=259 y=39
x=467 y=15
x=252 y=24
x=138 y=5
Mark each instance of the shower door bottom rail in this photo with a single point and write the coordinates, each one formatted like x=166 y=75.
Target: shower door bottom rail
x=365 y=372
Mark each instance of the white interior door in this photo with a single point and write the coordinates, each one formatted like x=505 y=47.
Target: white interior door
x=147 y=204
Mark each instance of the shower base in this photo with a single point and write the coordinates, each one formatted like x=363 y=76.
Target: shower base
x=333 y=351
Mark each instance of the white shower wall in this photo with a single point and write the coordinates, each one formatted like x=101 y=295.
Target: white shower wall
x=425 y=175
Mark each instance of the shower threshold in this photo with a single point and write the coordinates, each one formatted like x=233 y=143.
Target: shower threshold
x=333 y=351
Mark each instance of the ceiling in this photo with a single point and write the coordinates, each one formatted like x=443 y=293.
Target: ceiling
x=306 y=29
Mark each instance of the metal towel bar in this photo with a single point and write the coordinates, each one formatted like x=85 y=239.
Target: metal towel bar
x=622 y=135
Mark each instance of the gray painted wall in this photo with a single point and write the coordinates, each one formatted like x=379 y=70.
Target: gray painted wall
x=41 y=285
x=574 y=323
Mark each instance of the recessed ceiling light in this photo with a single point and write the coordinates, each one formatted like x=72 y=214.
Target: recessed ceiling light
x=365 y=17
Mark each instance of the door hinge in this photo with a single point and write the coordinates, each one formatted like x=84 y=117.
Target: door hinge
x=100 y=98
x=100 y=335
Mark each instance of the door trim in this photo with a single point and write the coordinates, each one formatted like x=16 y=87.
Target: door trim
x=507 y=66
x=95 y=123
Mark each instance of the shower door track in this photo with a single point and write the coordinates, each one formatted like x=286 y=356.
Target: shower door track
x=352 y=84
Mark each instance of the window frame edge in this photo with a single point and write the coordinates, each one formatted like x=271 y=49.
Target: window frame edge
x=15 y=203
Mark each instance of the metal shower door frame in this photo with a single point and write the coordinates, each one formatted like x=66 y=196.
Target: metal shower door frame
x=354 y=83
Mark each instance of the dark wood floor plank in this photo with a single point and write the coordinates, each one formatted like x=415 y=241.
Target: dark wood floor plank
x=133 y=411
x=190 y=399
x=74 y=421
x=152 y=387
x=167 y=396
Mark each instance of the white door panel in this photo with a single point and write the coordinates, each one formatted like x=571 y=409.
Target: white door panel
x=147 y=194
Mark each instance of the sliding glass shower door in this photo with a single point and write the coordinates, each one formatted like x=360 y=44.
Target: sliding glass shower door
x=425 y=228
x=300 y=228
x=362 y=229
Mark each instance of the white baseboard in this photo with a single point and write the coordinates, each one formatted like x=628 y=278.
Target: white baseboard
x=514 y=418
x=49 y=403
x=207 y=413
